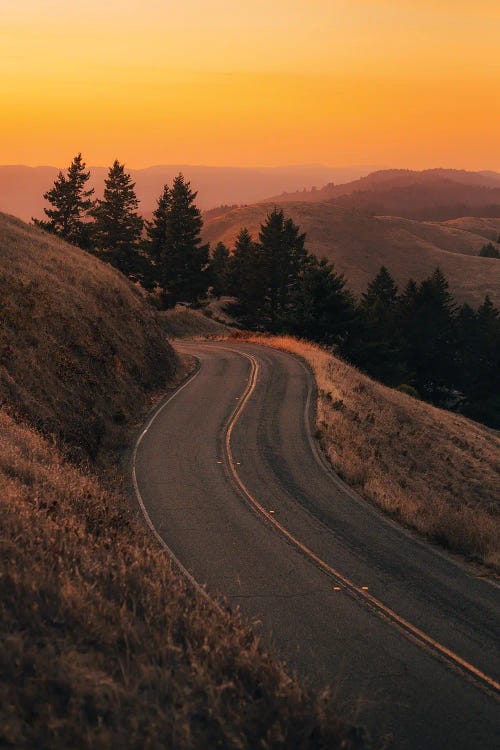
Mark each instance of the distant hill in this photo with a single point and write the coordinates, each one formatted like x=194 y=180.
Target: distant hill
x=435 y=194
x=22 y=188
x=360 y=243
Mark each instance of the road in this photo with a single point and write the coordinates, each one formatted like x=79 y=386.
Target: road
x=229 y=476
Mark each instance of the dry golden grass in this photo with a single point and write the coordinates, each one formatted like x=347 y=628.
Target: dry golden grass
x=435 y=471
x=79 y=345
x=102 y=644
x=359 y=244
x=184 y=322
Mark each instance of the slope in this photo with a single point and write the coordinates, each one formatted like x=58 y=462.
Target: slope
x=79 y=345
x=360 y=243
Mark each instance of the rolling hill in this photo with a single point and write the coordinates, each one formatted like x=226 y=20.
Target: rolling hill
x=359 y=243
x=435 y=194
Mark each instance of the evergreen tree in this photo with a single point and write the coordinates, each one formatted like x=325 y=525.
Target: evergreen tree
x=157 y=229
x=117 y=223
x=181 y=257
x=218 y=270
x=489 y=251
x=479 y=362
x=283 y=255
x=379 y=351
x=245 y=279
x=71 y=204
x=322 y=309
x=155 y=244
x=427 y=319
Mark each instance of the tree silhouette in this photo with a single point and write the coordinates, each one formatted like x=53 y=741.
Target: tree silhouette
x=176 y=247
x=283 y=256
x=218 y=270
x=323 y=310
x=118 y=226
x=246 y=278
x=71 y=204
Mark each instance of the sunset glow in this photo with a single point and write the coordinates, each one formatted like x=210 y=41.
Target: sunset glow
x=407 y=83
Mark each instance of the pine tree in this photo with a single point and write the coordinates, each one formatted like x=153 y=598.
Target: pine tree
x=284 y=255
x=427 y=319
x=181 y=257
x=157 y=228
x=71 y=205
x=246 y=278
x=118 y=225
x=380 y=350
x=489 y=251
x=323 y=310
x=479 y=362
x=154 y=246
x=218 y=270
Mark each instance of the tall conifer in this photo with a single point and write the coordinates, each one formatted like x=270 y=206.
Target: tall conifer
x=71 y=204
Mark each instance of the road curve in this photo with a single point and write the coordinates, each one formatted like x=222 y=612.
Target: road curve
x=228 y=476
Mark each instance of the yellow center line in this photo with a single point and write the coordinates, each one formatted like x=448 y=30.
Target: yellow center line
x=361 y=593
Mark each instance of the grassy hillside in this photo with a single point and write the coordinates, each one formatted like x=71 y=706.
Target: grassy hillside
x=79 y=346
x=102 y=643
x=359 y=244
x=185 y=323
x=435 y=471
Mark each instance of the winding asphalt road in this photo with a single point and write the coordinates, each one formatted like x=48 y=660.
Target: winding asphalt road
x=228 y=475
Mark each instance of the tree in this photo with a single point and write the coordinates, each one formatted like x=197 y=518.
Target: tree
x=218 y=269
x=118 y=225
x=175 y=235
x=283 y=256
x=245 y=278
x=479 y=362
x=322 y=308
x=71 y=205
x=489 y=251
x=379 y=349
x=427 y=324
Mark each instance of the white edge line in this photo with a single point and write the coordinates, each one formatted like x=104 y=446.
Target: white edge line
x=173 y=557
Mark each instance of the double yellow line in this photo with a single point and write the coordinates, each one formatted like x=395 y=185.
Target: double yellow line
x=413 y=633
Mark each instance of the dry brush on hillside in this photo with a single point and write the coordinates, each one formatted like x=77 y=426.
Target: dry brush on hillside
x=435 y=471
x=104 y=645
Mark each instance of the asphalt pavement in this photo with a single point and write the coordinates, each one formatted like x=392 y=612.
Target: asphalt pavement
x=229 y=475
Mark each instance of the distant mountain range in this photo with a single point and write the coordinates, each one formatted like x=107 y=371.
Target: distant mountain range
x=435 y=194
x=22 y=188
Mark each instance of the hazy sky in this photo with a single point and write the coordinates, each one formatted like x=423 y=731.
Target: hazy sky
x=411 y=83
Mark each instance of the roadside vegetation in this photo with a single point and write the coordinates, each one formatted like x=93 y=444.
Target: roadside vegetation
x=102 y=643
x=435 y=471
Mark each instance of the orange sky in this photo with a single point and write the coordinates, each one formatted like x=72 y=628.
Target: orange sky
x=409 y=83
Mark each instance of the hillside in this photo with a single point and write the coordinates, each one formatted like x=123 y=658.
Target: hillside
x=432 y=470
x=434 y=194
x=79 y=346
x=102 y=643
x=359 y=244
x=22 y=188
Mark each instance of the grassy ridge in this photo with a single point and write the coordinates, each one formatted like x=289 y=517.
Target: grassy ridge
x=102 y=643
x=79 y=346
x=435 y=471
